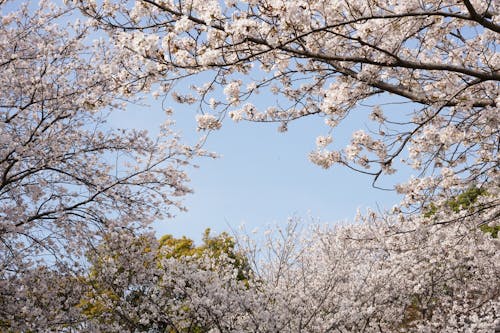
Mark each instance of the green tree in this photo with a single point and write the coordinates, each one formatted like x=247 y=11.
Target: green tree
x=106 y=300
x=212 y=246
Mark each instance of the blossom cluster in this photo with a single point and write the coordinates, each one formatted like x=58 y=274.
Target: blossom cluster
x=207 y=122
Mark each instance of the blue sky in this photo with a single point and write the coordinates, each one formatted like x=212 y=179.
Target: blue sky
x=262 y=176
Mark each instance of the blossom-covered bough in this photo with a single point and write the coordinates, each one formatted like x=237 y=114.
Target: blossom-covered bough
x=426 y=73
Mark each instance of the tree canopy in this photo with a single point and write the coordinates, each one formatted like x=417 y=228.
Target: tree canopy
x=326 y=59
x=425 y=73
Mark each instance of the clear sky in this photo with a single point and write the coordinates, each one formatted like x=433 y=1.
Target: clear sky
x=262 y=176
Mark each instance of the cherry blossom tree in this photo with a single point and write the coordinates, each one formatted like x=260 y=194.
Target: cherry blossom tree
x=425 y=73
x=383 y=276
x=65 y=175
x=41 y=299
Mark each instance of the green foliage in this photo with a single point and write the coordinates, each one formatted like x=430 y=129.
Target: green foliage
x=180 y=247
x=493 y=231
x=462 y=201
x=99 y=301
x=465 y=200
x=212 y=246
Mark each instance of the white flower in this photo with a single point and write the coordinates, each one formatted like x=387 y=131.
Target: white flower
x=183 y=24
x=207 y=122
x=324 y=158
x=209 y=57
x=323 y=141
x=232 y=91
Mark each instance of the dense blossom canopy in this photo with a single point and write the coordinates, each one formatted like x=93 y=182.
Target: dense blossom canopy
x=427 y=76
x=436 y=61
x=64 y=174
x=377 y=276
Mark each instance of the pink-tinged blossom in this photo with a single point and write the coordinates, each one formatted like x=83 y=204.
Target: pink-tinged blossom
x=207 y=122
x=323 y=141
x=232 y=91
